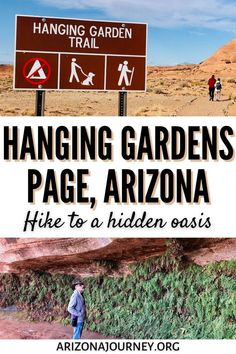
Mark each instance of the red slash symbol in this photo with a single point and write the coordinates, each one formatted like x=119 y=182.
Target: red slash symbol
x=36 y=71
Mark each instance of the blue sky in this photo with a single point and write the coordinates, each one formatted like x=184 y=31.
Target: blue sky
x=180 y=31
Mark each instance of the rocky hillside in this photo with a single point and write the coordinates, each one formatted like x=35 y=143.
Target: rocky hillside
x=222 y=62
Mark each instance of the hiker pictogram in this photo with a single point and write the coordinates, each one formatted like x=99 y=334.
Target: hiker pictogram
x=124 y=70
x=36 y=71
x=80 y=78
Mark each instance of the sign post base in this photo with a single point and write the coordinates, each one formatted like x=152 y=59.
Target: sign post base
x=122 y=104
x=40 y=103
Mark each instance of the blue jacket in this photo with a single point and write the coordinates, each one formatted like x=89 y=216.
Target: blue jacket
x=76 y=306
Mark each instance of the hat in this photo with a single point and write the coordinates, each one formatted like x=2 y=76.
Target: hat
x=77 y=282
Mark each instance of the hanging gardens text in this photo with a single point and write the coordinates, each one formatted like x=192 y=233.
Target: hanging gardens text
x=144 y=174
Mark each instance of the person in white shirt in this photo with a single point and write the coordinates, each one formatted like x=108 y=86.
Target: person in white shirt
x=218 y=87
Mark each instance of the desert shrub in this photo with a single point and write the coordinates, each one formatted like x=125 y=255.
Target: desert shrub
x=231 y=81
x=163 y=297
x=232 y=96
x=184 y=84
x=156 y=90
x=159 y=91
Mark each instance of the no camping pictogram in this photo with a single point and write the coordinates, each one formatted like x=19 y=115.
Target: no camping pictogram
x=36 y=71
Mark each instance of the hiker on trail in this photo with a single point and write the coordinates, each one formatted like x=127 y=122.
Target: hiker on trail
x=218 y=87
x=211 y=84
x=77 y=308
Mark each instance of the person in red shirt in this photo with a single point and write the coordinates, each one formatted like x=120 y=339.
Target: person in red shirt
x=211 y=84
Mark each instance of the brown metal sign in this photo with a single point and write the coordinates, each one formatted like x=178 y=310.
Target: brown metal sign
x=70 y=54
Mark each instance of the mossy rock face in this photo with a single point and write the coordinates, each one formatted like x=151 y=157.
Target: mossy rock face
x=161 y=298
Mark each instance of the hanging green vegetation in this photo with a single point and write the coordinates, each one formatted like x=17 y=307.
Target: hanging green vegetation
x=161 y=298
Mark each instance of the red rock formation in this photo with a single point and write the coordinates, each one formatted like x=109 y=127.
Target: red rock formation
x=6 y=70
x=72 y=256
x=223 y=61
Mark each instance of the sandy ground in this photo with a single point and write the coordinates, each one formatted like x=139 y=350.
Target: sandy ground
x=106 y=104
x=13 y=327
x=176 y=91
x=200 y=106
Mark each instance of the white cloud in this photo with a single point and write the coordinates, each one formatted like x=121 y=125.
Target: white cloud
x=214 y=14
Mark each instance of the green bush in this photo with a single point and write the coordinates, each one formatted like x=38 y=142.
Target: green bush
x=161 y=298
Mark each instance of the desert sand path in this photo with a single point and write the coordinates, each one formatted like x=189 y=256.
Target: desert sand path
x=15 y=328
x=201 y=106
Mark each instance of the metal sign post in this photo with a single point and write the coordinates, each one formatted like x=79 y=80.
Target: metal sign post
x=122 y=104
x=40 y=103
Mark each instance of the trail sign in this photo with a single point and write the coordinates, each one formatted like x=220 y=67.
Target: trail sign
x=72 y=54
